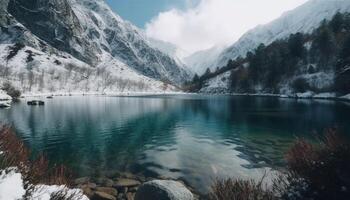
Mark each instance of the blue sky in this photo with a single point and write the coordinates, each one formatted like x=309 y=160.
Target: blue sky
x=140 y=12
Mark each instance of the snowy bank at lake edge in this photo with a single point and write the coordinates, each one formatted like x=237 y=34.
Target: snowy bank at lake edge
x=107 y=94
x=11 y=188
x=305 y=95
x=4 y=96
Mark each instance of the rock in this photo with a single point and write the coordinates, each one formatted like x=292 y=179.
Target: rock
x=91 y=185
x=87 y=191
x=82 y=180
x=106 y=182
x=121 y=196
x=102 y=196
x=108 y=190
x=133 y=189
x=163 y=190
x=124 y=190
x=130 y=196
x=35 y=103
x=5 y=104
x=125 y=182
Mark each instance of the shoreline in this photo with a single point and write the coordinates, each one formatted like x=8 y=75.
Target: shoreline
x=307 y=95
x=345 y=98
x=122 y=185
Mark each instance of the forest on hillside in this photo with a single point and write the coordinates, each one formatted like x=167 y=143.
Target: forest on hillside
x=317 y=62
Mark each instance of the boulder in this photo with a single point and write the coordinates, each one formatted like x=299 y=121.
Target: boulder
x=163 y=190
x=125 y=182
x=102 y=196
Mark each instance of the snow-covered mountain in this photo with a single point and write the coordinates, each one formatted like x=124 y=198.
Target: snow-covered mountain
x=303 y=19
x=199 y=61
x=79 y=35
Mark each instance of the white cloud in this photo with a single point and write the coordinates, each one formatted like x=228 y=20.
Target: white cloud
x=215 y=22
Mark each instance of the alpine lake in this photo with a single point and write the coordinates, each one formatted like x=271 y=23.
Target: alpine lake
x=194 y=138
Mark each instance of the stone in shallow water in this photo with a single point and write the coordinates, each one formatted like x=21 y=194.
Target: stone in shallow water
x=103 y=196
x=163 y=190
x=130 y=196
x=107 y=190
x=125 y=182
x=82 y=180
x=106 y=182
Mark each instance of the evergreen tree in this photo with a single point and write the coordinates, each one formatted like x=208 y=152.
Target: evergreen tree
x=296 y=45
x=337 y=23
x=195 y=78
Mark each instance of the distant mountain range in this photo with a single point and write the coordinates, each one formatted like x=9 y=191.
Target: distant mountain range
x=82 y=46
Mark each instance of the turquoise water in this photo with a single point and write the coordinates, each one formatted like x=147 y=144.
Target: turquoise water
x=191 y=137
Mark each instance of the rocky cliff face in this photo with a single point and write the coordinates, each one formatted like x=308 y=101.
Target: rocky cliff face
x=54 y=22
x=88 y=30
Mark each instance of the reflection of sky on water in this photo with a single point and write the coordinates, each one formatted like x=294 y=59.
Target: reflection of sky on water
x=201 y=158
x=195 y=138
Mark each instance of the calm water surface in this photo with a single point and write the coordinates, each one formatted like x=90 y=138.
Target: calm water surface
x=191 y=137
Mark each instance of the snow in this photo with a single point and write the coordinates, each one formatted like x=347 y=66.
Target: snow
x=4 y=96
x=122 y=59
x=346 y=97
x=199 y=61
x=304 y=19
x=126 y=38
x=43 y=192
x=75 y=76
x=11 y=188
x=11 y=185
x=325 y=95
x=307 y=94
x=218 y=84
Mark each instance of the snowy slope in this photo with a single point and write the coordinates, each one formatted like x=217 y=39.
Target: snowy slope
x=33 y=65
x=89 y=34
x=304 y=19
x=62 y=73
x=198 y=62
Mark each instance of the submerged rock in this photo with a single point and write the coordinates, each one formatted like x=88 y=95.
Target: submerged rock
x=81 y=181
x=163 y=190
x=103 y=196
x=107 y=190
x=35 y=103
x=5 y=104
x=106 y=182
x=125 y=182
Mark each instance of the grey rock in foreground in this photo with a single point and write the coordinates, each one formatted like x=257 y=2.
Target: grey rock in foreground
x=163 y=190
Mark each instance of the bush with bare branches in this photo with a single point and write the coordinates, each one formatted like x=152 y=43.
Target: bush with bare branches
x=33 y=171
x=315 y=170
x=324 y=166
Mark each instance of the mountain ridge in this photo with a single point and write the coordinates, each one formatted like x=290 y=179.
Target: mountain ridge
x=304 y=19
x=86 y=34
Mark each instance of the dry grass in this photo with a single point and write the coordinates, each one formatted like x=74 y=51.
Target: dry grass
x=314 y=171
x=323 y=166
x=232 y=189
x=34 y=171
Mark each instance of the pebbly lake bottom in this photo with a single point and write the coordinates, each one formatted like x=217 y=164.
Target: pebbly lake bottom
x=194 y=138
